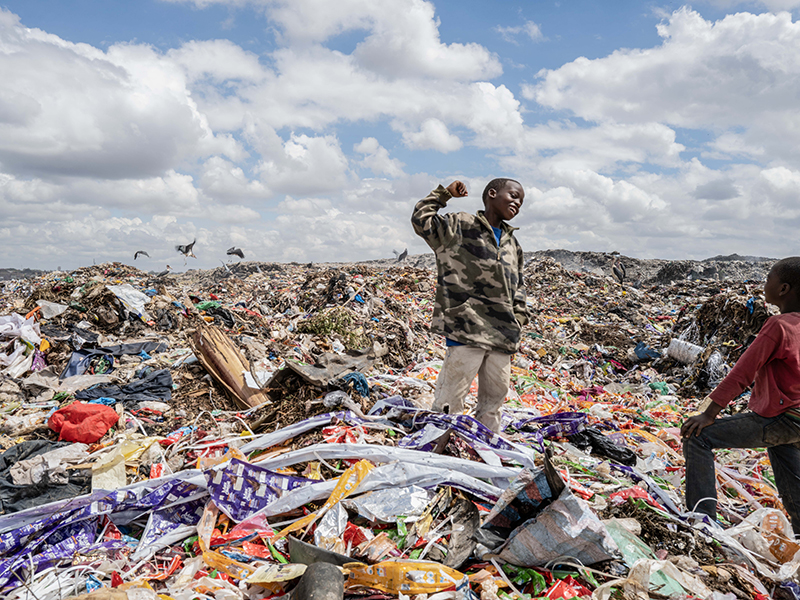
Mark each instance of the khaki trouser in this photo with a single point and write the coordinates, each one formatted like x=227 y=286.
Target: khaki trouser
x=461 y=363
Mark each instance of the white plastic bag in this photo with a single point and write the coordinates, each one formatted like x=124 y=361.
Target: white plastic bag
x=133 y=299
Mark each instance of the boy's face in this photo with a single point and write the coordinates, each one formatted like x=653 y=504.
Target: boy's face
x=507 y=202
x=772 y=288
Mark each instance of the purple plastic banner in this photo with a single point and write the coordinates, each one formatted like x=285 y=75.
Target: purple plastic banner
x=240 y=489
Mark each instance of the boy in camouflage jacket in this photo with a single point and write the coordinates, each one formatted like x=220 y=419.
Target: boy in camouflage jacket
x=480 y=298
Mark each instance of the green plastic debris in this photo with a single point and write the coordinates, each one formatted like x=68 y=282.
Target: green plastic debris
x=189 y=543
x=207 y=305
x=522 y=576
x=660 y=386
x=633 y=548
x=275 y=554
x=61 y=396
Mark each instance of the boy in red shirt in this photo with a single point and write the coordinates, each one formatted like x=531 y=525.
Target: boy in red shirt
x=773 y=421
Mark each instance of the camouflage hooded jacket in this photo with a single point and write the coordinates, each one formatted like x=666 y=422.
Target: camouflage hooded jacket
x=480 y=298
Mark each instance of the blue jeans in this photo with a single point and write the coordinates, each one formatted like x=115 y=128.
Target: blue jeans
x=779 y=435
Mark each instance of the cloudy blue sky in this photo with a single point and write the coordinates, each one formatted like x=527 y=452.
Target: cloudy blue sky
x=306 y=129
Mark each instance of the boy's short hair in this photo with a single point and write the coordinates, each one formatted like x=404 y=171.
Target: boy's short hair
x=788 y=271
x=497 y=185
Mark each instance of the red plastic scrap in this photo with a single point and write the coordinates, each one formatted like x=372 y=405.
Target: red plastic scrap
x=223 y=539
x=174 y=565
x=248 y=312
x=354 y=535
x=256 y=550
x=572 y=585
x=342 y=434
x=634 y=492
x=82 y=422
x=224 y=577
x=562 y=590
x=110 y=531
x=116 y=579
x=577 y=488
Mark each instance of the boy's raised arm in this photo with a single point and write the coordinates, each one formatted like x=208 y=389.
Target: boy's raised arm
x=457 y=189
x=437 y=230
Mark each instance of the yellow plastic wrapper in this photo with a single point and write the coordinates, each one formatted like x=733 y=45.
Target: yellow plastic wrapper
x=408 y=577
x=348 y=483
x=653 y=440
x=133 y=448
x=234 y=568
x=312 y=471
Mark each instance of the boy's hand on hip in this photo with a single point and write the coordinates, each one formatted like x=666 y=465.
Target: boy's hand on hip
x=694 y=425
x=457 y=189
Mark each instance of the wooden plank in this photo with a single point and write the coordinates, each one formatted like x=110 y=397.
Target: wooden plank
x=226 y=364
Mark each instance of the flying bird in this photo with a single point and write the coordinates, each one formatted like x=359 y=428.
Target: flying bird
x=186 y=250
x=139 y=253
x=401 y=256
x=619 y=271
x=234 y=251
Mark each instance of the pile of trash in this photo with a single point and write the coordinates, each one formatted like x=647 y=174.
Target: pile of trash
x=655 y=271
x=261 y=429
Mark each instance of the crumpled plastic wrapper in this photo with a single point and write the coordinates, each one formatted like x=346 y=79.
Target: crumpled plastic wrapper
x=387 y=505
x=330 y=528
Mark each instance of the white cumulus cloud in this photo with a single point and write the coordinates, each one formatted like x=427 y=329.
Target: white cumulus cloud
x=528 y=28
x=432 y=135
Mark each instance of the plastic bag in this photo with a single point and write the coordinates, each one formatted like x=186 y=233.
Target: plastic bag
x=601 y=445
x=51 y=464
x=132 y=299
x=684 y=352
x=567 y=527
x=80 y=422
x=768 y=533
x=51 y=309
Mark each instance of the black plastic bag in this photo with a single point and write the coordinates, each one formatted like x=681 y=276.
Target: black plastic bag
x=14 y=498
x=603 y=446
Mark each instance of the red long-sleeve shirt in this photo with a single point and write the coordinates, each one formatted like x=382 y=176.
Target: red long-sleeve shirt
x=773 y=361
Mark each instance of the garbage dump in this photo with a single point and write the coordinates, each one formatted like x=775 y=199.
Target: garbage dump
x=265 y=430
